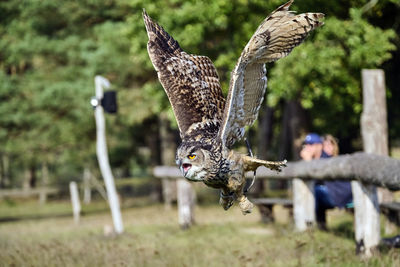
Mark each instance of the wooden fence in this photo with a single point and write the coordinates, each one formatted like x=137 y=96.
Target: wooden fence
x=368 y=169
x=42 y=192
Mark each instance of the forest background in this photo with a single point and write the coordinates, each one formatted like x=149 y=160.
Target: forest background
x=50 y=52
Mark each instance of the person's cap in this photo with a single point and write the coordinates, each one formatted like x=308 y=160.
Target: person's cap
x=312 y=138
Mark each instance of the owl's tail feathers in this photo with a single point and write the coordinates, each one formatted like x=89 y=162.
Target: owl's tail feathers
x=251 y=164
x=159 y=39
x=280 y=32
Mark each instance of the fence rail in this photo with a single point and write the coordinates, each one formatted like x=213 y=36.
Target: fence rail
x=366 y=168
x=28 y=192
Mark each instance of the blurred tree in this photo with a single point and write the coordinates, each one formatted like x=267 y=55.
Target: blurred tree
x=324 y=75
x=50 y=52
x=49 y=56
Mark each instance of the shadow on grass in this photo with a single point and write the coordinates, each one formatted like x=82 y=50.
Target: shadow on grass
x=344 y=229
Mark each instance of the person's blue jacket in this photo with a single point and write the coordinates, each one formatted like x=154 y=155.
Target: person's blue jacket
x=339 y=191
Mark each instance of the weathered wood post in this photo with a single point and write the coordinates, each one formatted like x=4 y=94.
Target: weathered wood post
x=375 y=140
x=186 y=195
x=76 y=205
x=303 y=204
x=102 y=156
x=186 y=203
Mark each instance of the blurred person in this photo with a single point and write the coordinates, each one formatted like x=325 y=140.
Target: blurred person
x=328 y=194
x=330 y=145
x=312 y=147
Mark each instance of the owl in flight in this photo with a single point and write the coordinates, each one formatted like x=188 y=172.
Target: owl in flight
x=209 y=124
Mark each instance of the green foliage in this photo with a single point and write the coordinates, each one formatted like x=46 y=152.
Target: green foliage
x=51 y=51
x=50 y=54
x=325 y=74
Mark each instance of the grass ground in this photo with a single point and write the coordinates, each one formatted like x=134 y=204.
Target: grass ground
x=152 y=238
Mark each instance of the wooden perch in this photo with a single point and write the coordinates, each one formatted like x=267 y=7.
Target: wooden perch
x=367 y=168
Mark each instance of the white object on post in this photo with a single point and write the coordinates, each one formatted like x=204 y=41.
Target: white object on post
x=76 y=205
x=102 y=156
x=303 y=204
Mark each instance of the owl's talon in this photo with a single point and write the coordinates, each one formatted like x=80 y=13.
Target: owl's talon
x=276 y=165
x=226 y=201
x=245 y=205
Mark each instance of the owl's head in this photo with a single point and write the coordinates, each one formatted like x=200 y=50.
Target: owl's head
x=193 y=160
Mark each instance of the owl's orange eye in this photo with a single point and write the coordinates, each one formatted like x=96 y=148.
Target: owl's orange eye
x=192 y=156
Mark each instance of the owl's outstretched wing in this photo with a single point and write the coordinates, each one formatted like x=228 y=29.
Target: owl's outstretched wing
x=191 y=82
x=275 y=38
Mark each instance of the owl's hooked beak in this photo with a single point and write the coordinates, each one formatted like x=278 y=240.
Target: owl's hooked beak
x=185 y=167
x=191 y=172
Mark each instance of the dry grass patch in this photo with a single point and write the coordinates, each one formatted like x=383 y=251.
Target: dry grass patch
x=152 y=238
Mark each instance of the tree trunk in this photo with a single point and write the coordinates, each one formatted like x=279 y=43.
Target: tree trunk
x=265 y=132
x=168 y=148
x=6 y=170
x=152 y=140
x=295 y=127
x=87 y=190
x=29 y=178
x=2 y=184
x=44 y=182
x=45 y=174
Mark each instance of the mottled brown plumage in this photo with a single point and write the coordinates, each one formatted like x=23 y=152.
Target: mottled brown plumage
x=208 y=124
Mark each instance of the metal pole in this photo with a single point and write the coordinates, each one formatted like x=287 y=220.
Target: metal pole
x=102 y=156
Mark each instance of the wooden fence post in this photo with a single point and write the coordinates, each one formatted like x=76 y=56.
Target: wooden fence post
x=76 y=205
x=186 y=203
x=303 y=204
x=375 y=140
x=186 y=196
